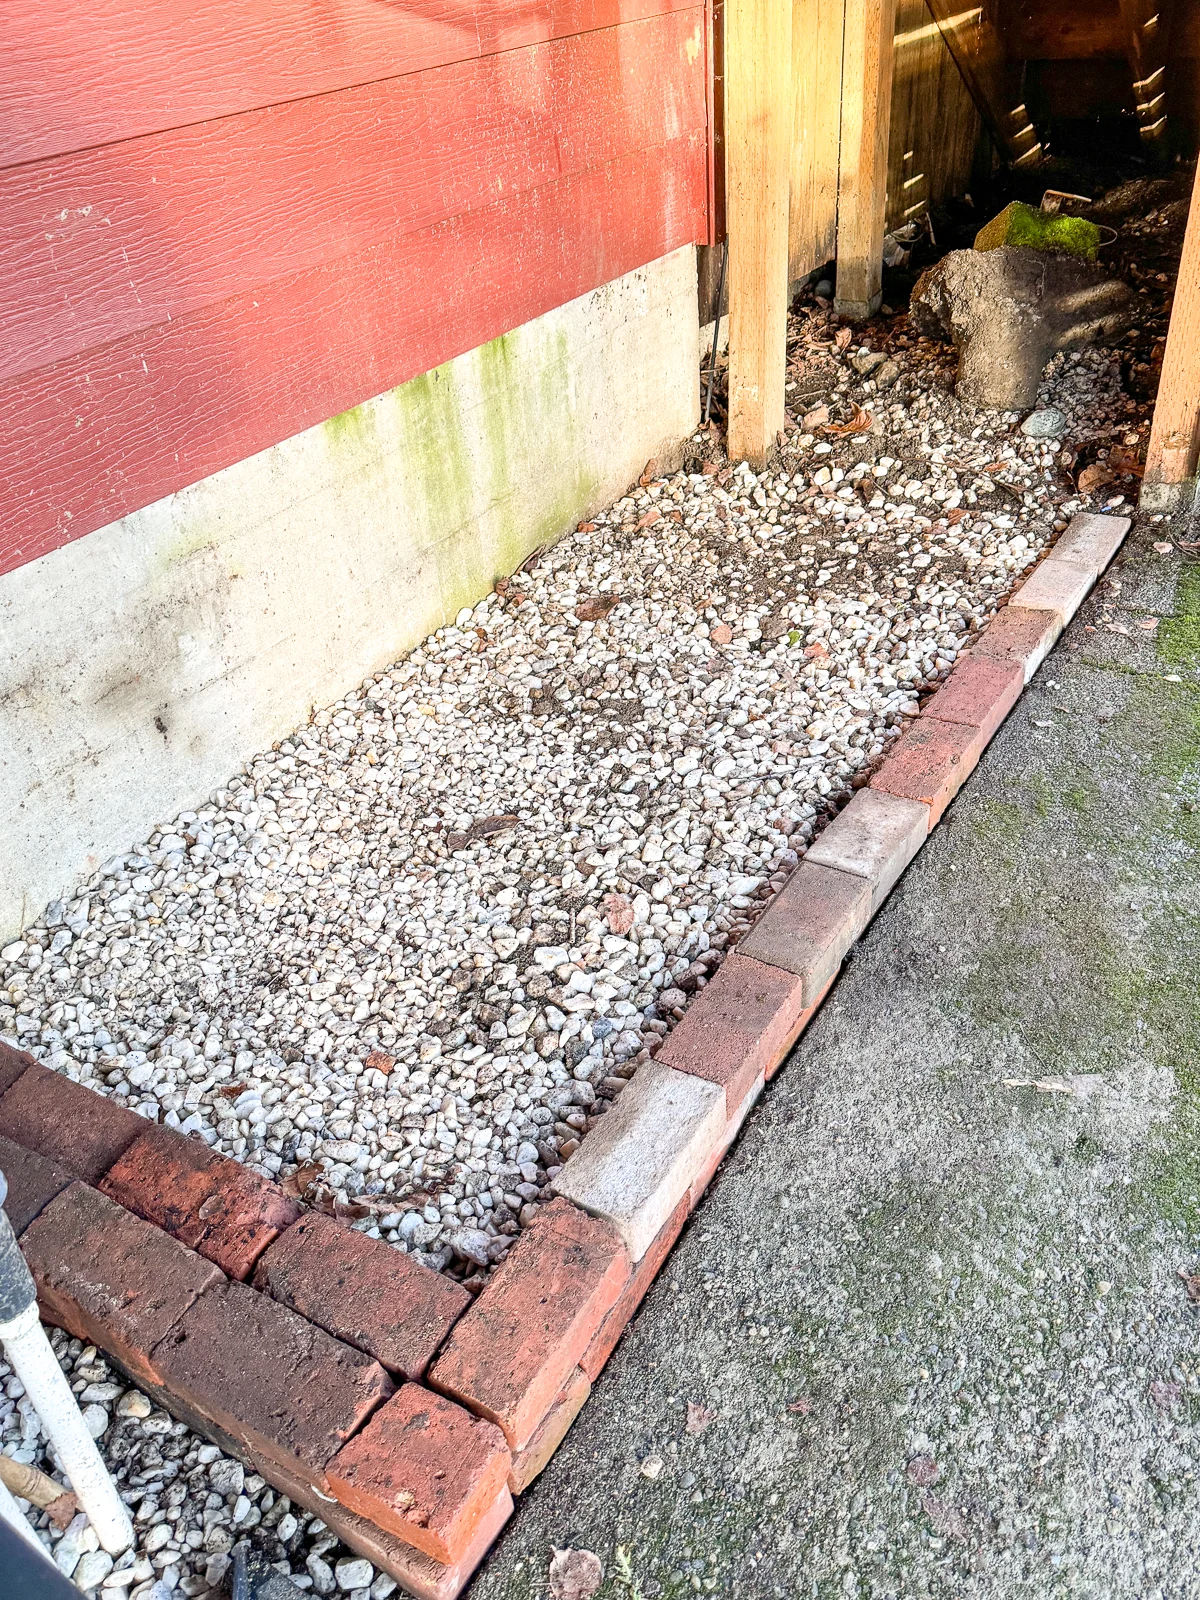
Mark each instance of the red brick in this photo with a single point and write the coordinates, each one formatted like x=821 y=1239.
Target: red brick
x=374 y=1297
x=218 y=1207
x=1019 y=633
x=510 y=1356
x=738 y=1027
x=809 y=1014
x=931 y=762
x=111 y=1279
x=811 y=924
x=12 y=1064
x=528 y=1463
x=285 y=1390
x=420 y=1575
x=32 y=1183
x=980 y=692
x=608 y=1334
x=424 y=1469
x=67 y=1122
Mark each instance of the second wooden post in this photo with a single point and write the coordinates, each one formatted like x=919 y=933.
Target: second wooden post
x=758 y=133
x=862 y=182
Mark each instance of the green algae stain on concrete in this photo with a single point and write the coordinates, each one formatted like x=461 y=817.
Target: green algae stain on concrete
x=1179 y=636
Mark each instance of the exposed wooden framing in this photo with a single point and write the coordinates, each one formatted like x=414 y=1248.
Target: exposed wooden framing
x=862 y=177
x=1170 y=480
x=1145 y=27
x=758 y=138
x=990 y=72
x=935 y=121
x=817 y=85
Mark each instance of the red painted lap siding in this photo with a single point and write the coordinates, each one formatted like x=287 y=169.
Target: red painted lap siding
x=102 y=433
x=80 y=75
x=172 y=304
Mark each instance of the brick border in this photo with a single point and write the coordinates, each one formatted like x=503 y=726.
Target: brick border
x=374 y=1392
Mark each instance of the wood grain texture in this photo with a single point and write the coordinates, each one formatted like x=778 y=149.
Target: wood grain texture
x=104 y=432
x=1146 y=38
x=867 y=52
x=1042 y=30
x=759 y=117
x=817 y=84
x=124 y=69
x=99 y=245
x=936 y=125
x=1171 y=457
x=991 y=73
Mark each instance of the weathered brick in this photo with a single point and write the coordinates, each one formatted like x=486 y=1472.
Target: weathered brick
x=283 y=1388
x=112 y=1279
x=980 y=692
x=32 y=1183
x=511 y=1354
x=805 y=1020
x=1019 y=633
x=218 y=1207
x=424 y=1469
x=1091 y=540
x=738 y=1027
x=811 y=924
x=875 y=837
x=638 y=1162
x=12 y=1064
x=418 y=1574
x=67 y=1122
x=644 y=1273
x=528 y=1463
x=733 y=1127
x=375 y=1298
x=1056 y=585
x=931 y=762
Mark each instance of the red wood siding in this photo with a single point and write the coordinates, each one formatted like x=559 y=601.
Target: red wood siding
x=173 y=302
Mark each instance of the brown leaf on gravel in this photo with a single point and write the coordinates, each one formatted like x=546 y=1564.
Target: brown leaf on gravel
x=618 y=912
x=649 y=519
x=232 y=1090
x=698 y=1417
x=946 y=1518
x=574 y=1574
x=815 y=649
x=648 y=474
x=1094 y=477
x=586 y=527
x=1165 y=1394
x=922 y=1470
x=63 y=1511
x=299 y=1182
x=957 y=515
x=1191 y=1282
x=598 y=607
x=1124 y=458
x=816 y=418
x=801 y=1407
x=483 y=828
x=381 y=1061
x=843 y=337
x=860 y=422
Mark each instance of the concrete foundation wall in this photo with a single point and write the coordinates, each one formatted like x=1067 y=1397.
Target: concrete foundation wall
x=143 y=664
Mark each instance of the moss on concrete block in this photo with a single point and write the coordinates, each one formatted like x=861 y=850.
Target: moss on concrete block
x=1026 y=226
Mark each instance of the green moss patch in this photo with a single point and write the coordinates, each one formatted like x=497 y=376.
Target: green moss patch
x=1028 y=228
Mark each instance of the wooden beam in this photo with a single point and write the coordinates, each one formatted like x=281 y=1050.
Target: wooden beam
x=1170 y=480
x=862 y=177
x=758 y=138
x=817 y=84
x=992 y=75
x=1145 y=26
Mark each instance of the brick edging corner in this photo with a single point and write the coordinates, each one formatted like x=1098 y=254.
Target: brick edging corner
x=364 y=1386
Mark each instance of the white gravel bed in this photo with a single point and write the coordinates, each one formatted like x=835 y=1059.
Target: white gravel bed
x=405 y=956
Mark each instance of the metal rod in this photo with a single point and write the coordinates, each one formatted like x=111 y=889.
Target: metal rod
x=712 y=365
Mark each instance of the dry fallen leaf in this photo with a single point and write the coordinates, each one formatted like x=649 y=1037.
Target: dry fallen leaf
x=597 y=608
x=956 y=516
x=618 y=912
x=1124 y=458
x=698 y=1417
x=801 y=1407
x=574 y=1574
x=1163 y=548
x=1148 y=623
x=381 y=1061
x=816 y=649
x=1079 y=1084
x=299 y=1182
x=650 y=518
x=816 y=418
x=1191 y=1282
x=922 y=1470
x=1094 y=477
x=843 y=337
x=860 y=422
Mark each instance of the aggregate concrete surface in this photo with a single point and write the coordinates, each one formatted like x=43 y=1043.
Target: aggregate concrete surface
x=931 y=1333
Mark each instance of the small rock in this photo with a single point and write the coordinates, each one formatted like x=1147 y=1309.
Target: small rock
x=1046 y=423
x=354 y=1574
x=93 y=1568
x=133 y=1404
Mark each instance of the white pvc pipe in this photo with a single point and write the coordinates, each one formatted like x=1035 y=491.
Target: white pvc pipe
x=12 y=1514
x=32 y=1359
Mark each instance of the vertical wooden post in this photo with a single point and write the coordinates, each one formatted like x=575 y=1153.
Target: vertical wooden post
x=758 y=135
x=1170 y=480
x=817 y=92
x=862 y=179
